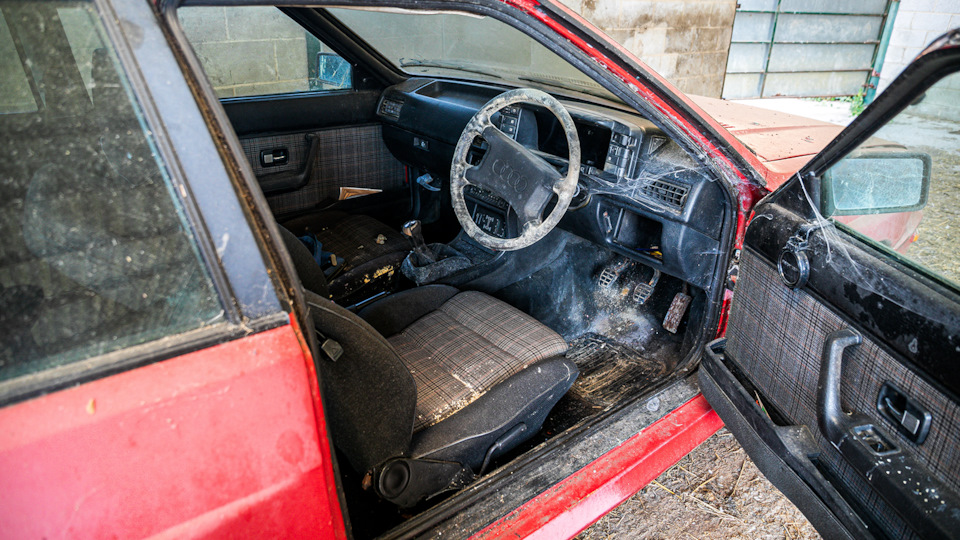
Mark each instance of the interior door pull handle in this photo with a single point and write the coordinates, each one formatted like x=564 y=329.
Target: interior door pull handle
x=891 y=472
x=833 y=421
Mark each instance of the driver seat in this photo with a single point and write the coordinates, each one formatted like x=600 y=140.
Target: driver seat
x=424 y=388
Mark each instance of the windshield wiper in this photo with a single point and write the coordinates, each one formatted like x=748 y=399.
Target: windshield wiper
x=565 y=86
x=447 y=65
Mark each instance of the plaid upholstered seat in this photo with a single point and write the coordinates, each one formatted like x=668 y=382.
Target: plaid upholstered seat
x=470 y=344
x=434 y=383
x=370 y=267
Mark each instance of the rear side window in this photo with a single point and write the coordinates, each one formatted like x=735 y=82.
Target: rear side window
x=256 y=51
x=96 y=254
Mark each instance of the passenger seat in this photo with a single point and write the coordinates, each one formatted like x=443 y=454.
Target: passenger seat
x=372 y=253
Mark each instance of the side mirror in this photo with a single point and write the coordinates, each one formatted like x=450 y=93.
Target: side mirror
x=876 y=182
x=333 y=72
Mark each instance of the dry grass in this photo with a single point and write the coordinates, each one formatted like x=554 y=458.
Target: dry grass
x=714 y=492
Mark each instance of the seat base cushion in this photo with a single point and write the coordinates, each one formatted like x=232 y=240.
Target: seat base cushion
x=522 y=400
x=471 y=343
x=370 y=267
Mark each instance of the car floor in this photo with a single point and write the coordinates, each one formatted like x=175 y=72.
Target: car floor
x=618 y=343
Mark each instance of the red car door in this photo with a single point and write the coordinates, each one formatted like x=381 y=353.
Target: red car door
x=152 y=379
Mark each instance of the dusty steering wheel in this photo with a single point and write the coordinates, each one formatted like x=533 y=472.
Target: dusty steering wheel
x=514 y=173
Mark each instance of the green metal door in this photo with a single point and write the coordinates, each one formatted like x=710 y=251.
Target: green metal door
x=803 y=48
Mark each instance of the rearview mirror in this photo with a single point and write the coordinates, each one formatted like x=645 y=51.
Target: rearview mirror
x=876 y=182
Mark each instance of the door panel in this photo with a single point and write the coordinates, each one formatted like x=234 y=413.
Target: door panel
x=211 y=444
x=776 y=337
x=349 y=157
x=839 y=366
x=305 y=115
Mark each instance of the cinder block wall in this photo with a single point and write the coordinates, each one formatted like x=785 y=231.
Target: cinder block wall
x=918 y=23
x=686 y=41
x=237 y=58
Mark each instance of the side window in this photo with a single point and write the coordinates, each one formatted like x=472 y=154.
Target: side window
x=96 y=255
x=900 y=187
x=256 y=51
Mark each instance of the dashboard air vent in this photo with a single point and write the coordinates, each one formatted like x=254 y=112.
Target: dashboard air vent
x=390 y=107
x=670 y=193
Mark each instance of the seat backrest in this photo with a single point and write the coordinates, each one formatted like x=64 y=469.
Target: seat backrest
x=369 y=395
x=310 y=274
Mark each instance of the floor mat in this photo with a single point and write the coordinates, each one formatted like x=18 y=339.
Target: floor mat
x=609 y=370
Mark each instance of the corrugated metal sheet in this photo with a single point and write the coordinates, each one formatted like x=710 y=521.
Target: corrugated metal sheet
x=803 y=48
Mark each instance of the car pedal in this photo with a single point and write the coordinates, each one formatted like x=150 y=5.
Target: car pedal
x=607 y=277
x=610 y=274
x=643 y=291
x=677 y=309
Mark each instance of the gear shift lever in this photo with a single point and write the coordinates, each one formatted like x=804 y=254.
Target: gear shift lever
x=414 y=233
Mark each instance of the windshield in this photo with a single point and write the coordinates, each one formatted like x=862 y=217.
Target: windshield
x=464 y=46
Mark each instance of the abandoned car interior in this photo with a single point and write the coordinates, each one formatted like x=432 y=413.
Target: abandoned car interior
x=505 y=254
x=536 y=253
x=432 y=268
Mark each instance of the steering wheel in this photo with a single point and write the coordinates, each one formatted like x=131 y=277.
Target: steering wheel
x=514 y=173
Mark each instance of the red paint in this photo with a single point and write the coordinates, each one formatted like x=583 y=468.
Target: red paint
x=222 y=442
x=326 y=446
x=897 y=230
x=724 y=313
x=572 y=505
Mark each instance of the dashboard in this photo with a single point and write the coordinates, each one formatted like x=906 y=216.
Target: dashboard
x=639 y=192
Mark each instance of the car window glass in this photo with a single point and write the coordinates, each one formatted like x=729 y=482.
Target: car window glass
x=899 y=188
x=464 y=45
x=96 y=254
x=15 y=93
x=255 y=51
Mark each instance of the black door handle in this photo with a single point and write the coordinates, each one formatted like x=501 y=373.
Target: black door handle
x=911 y=419
x=894 y=411
x=833 y=421
x=289 y=181
x=862 y=444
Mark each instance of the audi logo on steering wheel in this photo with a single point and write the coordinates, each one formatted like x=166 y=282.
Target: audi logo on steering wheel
x=511 y=176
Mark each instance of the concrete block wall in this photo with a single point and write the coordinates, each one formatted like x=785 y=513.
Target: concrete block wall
x=918 y=23
x=248 y=51
x=686 y=41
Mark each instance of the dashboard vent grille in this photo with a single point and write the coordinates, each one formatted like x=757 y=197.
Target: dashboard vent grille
x=670 y=193
x=390 y=107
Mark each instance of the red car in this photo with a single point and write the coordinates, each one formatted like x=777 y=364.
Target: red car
x=435 y=269
x=784 y=143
